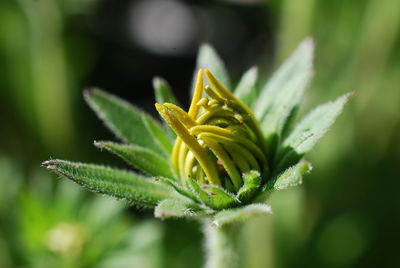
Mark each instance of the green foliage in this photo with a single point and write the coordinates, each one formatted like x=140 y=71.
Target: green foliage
x=308 y=132
x=120 y=117
x=240 y=214
x=140 y=157
x=158 y=133
x=59 y=225
x=245 y=90
x=177 y=208
x=212 y=196
x=220 y=197
x=134 y=188
x=163 y=94
x=280 y=97
x=292 y=176
x=252 y=182
x=151 y=148
x=208 y=58
x=163 y=91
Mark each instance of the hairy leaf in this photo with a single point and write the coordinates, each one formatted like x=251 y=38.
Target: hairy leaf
x=207 y=58
x=177 y=187
x=240 y=214
x=163 y=138
x=122 y=118
x=282 y=94
x=163 y=92
x=252 y=182
x=141 y=158
x=309 y=131
x=121 y=184
x=245 y=90
x=220 y=198
x=293 y=176
x=198 y=192
x=211 y=195
x=177 y=208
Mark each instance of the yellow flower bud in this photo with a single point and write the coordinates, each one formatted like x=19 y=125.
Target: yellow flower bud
x=218 y=138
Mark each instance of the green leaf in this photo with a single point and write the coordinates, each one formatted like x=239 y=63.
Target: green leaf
x=252 y=182
x=162 y=138
x=219 y=197
x=245 y=90
x=207 y=58
x=163 y=91
x=177 y=187
x=240 y=214
x=121 y=184
x=309 y=131
x=198 y=192
x=122 y=118
x=177 y=208
x=282 y=94
x=211 y=195
x=164 y=94
x=292 y=176
x=139 y=157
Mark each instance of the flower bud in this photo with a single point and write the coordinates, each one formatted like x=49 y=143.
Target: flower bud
x=218 y=138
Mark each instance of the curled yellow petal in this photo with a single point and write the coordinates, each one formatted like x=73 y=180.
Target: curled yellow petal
x=198 y=93
x=218 y=138
x=201 y=155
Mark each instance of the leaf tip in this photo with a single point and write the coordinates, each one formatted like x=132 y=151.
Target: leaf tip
x=98 y=144
x=88 y=92
x=204 y=46
x=254 y=68
x=46 y=163
x=351 y=94
x=50 y=164
x=308 y=42
x=156 y=82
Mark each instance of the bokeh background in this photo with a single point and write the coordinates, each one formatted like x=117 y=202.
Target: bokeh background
x=346 y=213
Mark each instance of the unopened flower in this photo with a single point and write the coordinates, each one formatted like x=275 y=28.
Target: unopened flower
x=218 y=144
x=229 y=150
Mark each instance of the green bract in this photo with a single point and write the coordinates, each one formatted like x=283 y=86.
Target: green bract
x=222 y=158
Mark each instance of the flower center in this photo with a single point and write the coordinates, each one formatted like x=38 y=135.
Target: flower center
x=218 y=138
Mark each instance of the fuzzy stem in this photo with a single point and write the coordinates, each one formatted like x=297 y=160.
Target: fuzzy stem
x=221 y=245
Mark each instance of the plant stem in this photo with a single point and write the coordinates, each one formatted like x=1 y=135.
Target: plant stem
x=221 y=245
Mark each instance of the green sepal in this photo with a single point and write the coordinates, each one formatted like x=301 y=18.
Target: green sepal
x=199 y=193
x=292 y=176
x=280 y=97
x=139 y=157
x=235 y=215
x=220 y=197
x=132 y=187
x=177 y=187
x=308 y=132
x=211 y=195
x=245 y=90
x=252 y=182
x=122 y=118
x=178 y=208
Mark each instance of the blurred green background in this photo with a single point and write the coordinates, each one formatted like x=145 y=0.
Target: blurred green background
x=347 y=212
